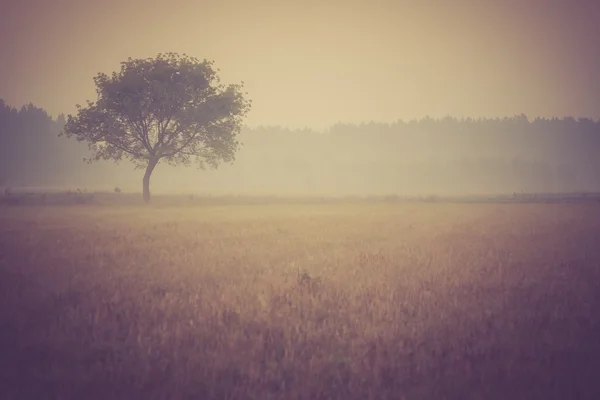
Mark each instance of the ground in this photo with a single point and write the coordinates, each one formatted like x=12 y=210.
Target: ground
x=359 y=300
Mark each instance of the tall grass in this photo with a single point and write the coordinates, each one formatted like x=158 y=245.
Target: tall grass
x=330 y=301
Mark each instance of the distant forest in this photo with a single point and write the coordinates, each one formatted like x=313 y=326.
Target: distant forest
x=426 y=156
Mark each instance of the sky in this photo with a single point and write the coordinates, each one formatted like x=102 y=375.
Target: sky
x=315 y=63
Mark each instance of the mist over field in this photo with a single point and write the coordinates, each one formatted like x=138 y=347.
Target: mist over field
x=421 y=157
x=355 y=98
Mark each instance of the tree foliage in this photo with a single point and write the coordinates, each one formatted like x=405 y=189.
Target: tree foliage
x=170 y=108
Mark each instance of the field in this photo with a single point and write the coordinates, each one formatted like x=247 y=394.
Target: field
x=300 y=301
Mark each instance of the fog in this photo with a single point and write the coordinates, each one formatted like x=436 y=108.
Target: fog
x=423 y=157
x=308 y=63
x=511 y=87
x=402 y=159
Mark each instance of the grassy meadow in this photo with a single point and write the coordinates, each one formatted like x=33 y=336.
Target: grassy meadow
x=348 y=300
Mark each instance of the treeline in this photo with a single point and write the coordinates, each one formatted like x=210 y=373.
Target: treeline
x=441 y=156
x=31 y=153
x=426 y=156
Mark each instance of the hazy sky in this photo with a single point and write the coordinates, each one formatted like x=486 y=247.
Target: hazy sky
x=313 y=63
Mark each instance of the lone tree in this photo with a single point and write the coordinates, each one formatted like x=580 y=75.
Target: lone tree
x=169 y=108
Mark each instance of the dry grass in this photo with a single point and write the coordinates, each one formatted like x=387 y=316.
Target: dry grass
x=348 y=301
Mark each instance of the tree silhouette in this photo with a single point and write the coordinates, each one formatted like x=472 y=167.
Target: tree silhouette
x=169 y=108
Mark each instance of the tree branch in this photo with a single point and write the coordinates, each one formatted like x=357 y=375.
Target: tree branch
x=184 y=145
x=125 y=149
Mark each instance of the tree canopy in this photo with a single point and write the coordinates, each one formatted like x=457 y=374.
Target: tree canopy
x=170 y=108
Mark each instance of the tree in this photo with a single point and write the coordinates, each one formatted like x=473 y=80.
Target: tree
x=169 y=108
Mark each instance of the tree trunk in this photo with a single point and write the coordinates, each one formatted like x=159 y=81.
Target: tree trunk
x=146 y=181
